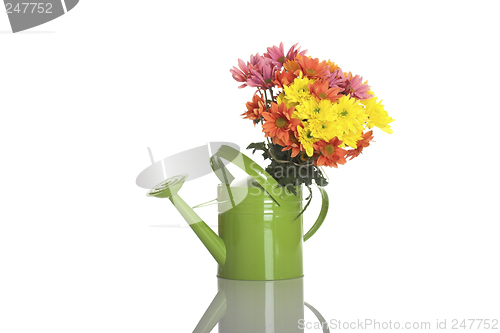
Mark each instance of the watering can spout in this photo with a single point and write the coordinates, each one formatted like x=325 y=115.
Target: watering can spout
x=213 y=243
x=208 y=237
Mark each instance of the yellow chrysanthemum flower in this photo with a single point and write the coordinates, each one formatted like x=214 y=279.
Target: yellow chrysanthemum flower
x=322 y=129
x=312 y=109
x=306 y=139
x=350 y=139
x=282 y=99
x=350 y=115
x=297 y=92
x=376 y=115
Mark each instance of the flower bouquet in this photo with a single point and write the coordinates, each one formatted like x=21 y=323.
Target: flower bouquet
x=313 y=114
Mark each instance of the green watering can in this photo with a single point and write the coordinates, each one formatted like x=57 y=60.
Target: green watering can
x=260 y=223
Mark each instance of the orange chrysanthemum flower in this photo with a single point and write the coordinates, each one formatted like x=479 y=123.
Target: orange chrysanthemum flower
x=292 y=66
x=331 y=154
x=293 y=143
x=321 y=90
x=279 y=123
x=312 y=68
x=278 y=141
x=255 y=108
x=360 y=145
x=283 y=78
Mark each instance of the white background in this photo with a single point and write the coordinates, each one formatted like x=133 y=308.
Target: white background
x=412 y=233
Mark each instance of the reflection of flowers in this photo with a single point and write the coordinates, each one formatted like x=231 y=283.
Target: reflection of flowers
x=317 y=114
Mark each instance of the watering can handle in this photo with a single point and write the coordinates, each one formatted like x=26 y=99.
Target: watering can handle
x=246 y=164
x=262 y=177
x=322 y=214
x=213 y=314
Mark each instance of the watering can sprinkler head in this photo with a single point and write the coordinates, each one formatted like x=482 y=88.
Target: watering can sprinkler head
x=168 y=187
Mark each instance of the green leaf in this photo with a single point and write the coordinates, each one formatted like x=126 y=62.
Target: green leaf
x=257 y=146
x=291 y=189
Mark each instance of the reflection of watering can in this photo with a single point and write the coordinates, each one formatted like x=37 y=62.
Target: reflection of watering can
x=260 y=224
x=258 y=306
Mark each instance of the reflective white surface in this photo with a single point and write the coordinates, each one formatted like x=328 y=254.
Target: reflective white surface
x=258 y=306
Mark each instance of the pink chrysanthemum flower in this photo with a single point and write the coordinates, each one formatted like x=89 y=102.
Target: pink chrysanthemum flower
x=262 y=77
x=277 y=54
x=337 y=79
x=242 y=74
x=355 y=88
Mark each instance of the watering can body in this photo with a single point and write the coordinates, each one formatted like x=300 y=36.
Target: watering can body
x=263 y=240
